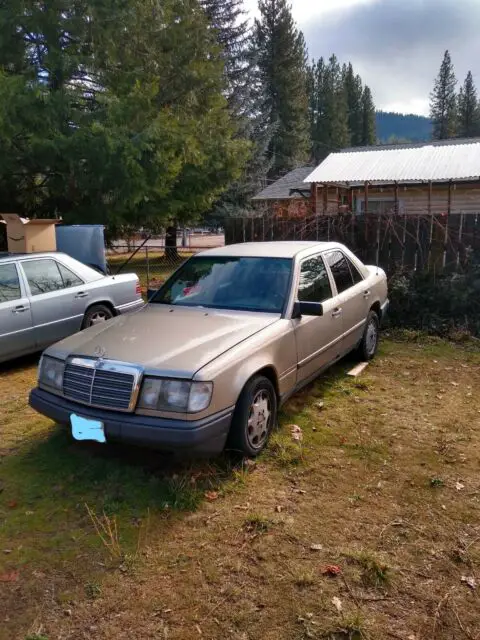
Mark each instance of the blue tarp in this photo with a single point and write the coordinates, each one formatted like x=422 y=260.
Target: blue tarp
x=84 y=242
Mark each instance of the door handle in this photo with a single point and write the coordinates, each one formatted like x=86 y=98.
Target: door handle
x=20 y=309
x=336 y=313
x=82 y=294
x=367 y=293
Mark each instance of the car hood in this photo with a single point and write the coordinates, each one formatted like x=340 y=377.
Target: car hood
x=169 y=340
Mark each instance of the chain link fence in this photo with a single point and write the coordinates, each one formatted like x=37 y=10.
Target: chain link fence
x=152 y=264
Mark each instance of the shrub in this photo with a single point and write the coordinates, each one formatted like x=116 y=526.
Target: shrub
x=437 y=303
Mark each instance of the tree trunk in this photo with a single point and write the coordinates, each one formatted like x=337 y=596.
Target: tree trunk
x=171 y=252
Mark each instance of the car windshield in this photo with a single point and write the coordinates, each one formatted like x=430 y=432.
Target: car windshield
x=237 y=283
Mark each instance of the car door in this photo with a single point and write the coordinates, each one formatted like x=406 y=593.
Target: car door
x=318 y=339
x=58 y=299
x=16 y=336
x=352 y=297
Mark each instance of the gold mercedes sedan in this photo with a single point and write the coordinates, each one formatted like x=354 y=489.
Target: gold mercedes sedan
x=228 y=338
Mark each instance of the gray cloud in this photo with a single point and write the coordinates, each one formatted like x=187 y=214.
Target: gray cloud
x=397 y=46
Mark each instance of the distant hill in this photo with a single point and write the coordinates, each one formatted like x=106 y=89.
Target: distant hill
x=398 y=127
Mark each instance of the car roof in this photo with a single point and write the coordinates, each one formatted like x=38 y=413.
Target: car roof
x=42 y=254
x=275 y=249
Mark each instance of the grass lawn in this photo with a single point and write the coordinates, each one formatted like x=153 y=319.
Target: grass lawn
x=369 y=528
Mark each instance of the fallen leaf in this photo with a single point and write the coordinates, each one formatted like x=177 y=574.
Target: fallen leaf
x=337 y=603
x=331 y=570
x=470 y=581
x=12 y=576
x=459 y=486
x=316 y=547
x=12 y=504
x=297 y=433
x=211 y=495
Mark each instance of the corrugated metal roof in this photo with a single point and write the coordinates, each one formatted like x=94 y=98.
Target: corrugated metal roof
x=429 y=162
x=280 y=190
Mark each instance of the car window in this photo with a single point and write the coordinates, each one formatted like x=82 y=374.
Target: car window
x=43 y=276
x=69 y=278
x=340 y=270
x=314 y=283
x=229 y=282
x=9 y=283
x=356 y=275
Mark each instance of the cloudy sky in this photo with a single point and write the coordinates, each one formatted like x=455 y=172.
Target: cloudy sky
x=395 y=45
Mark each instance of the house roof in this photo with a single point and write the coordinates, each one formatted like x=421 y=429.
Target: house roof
x=441 y=161
x=282 y=189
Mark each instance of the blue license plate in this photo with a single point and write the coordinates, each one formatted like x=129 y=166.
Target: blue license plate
x=85 y=429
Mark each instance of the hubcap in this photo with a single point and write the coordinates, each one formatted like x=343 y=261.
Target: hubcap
x=259 y=419
x=371 y=339
x=97 y=318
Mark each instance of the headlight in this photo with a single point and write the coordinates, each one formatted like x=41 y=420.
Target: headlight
x=51 y=373
x=175 y=395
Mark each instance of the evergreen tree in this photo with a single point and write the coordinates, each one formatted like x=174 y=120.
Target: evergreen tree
x=368 y=119
x=319 y=128
x=113 y=114
x=468 y=109
x=228 y=20
x=336 y=107
x=281 y=59
x=246 y=99
x=354 y=91
x=341 y=113
x=443 y=101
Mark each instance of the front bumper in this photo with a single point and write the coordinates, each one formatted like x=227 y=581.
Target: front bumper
x=207 y=436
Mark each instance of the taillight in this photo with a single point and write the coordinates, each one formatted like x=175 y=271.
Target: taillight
x=138 y=289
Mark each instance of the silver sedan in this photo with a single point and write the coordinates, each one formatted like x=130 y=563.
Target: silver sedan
x=49 y=296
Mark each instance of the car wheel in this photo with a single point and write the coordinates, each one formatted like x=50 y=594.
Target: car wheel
x=369 y=344
x=96 y=315
x=254 y=417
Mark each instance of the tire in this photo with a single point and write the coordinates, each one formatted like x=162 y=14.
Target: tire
x=96 y=314
x=257 y=396
x=369 y=344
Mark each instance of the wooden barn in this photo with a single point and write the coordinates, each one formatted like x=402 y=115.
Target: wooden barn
x=436 y=178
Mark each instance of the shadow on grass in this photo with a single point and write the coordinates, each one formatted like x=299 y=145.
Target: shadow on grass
x=48 y=482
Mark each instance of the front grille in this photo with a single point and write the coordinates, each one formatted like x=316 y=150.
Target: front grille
x=99 y=384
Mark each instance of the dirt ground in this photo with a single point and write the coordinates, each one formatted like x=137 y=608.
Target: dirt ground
x=369 y=527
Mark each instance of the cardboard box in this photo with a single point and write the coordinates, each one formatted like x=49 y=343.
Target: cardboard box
x=30 y=236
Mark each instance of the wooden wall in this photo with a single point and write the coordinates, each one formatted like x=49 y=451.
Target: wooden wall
x=413 y=198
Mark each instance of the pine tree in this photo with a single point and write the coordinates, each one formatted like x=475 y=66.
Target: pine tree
x=468 y=109
x=368 y=119
x=443 y=101
x=319 y=131
x=281 y=59
x=336 y=107
x=354 y=91
x=246 y=98
x=228 y=20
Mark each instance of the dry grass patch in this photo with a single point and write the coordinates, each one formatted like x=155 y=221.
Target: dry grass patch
x=384 y=485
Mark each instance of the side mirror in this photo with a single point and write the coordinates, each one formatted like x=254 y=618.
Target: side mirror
x=307 y=309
